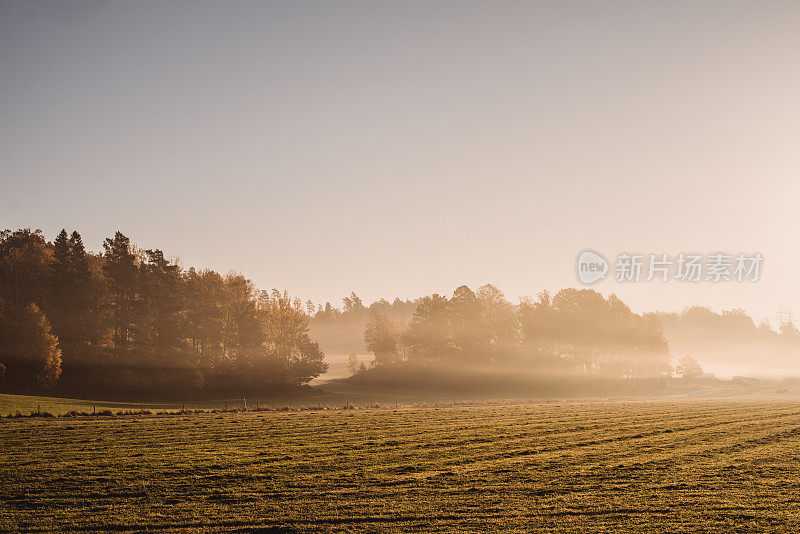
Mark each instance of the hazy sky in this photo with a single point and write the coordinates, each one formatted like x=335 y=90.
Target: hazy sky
x=401 y=148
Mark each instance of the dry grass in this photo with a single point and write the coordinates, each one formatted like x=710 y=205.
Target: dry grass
x=718 y=466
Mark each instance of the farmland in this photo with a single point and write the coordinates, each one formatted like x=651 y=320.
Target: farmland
x=625 y=466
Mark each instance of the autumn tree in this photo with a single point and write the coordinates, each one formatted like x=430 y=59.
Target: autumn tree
x=287 y=339
x=29 y=351
x=24 y=267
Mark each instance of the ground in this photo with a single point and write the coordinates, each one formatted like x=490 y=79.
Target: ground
x=710 y=465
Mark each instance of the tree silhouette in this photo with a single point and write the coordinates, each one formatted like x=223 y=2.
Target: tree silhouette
x=381 y=337
x=688 y=367
x=121 y=271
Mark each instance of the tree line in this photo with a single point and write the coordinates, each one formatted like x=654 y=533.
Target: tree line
x=574 y=330
x=733 y=338
x=128 y=321
x=341 y=329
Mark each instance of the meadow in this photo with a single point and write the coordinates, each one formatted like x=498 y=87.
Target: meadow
x=623 y=466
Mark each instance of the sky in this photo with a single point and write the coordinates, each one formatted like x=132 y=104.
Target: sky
x=405 y=148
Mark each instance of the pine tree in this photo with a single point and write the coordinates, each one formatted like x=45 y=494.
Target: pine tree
x=79 y=262
x=80 y=294
x=161 y=288
x=60 y=288
x=121 y=270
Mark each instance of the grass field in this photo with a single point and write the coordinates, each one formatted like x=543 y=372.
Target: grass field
x=721 y=466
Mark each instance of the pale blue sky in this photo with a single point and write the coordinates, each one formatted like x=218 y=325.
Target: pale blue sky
x=401 y=148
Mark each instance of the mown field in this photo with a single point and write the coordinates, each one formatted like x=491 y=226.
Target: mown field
x=721 y=466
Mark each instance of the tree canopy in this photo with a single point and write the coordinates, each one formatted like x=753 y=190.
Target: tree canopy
x=133 y=322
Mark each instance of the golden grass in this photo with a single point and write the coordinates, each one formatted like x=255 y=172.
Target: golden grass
x=717 y=466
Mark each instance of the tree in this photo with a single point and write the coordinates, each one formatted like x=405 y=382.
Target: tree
x=122 y=273
x=308 y=362
x=470 y=331
x=70 y=294
x=353 y=304
x=647 y=346
x=430 y=334
x=789 y=330
x=500 y=324
x=288 y=341
x=161 y=288
x=24 y=267
x=29 y=351
x=352 y=363
x=60 y=279
x=540 y=330
x=204 y=314
x=380 y=336
x=58 y=302
x=204 y=329
x=84 y=295
x=243 y=333
x=688 y=368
